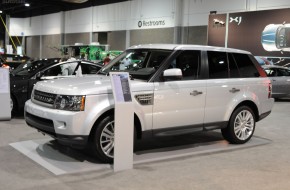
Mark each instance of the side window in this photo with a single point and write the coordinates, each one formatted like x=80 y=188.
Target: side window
x=89 y=69
x=218 y=64
x=53 y=71
x=246 y=67
x=61 y=70
x=282 y=72
x=233 y=68
x=156 y=58
x=189 y=63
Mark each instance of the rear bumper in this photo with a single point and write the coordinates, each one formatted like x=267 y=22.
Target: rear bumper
x=265 y=108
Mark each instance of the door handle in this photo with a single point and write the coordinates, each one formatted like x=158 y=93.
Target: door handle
x=234 y=90
x=195 y=93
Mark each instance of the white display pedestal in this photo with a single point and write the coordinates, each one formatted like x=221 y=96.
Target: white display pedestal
x=5 y=111
x=124 y=135
x=124 y=121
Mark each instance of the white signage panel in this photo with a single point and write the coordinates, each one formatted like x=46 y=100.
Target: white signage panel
x=5 y=111
x=124 y=121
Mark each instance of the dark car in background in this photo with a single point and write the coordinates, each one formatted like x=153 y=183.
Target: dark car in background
x=13 y=61
x=280 y=78
x=24 y=77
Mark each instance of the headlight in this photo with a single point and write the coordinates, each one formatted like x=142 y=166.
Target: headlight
x=70 y=103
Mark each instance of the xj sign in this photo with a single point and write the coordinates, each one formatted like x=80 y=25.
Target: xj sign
x=237 y=19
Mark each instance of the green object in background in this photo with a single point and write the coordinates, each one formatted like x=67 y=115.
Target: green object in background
x=90 y=52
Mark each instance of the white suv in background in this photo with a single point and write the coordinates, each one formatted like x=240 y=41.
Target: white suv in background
x=176 y=89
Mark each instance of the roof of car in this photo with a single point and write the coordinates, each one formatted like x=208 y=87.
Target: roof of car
x=187 y=47
x=274 y=66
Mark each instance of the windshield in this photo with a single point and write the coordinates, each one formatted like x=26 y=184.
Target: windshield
x=140 y=63
x=30 y=67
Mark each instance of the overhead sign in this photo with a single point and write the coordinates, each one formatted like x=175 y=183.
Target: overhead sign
x=151 y=23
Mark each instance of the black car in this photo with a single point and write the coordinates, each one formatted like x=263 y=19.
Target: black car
x=23 y=78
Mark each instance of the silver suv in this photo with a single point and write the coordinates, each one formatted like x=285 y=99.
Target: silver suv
x=177 y=89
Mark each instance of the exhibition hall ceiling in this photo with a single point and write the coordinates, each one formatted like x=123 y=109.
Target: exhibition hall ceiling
x=18 y=9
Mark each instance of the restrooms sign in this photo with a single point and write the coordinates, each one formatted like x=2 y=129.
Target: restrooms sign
x=151 y=24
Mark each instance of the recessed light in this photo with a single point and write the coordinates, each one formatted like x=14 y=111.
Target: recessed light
x=27 y=4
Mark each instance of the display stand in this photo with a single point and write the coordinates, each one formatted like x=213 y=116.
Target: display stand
x=5 y=111
x=124 y=121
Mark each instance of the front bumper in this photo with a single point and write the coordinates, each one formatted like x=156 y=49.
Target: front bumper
x=65 y=126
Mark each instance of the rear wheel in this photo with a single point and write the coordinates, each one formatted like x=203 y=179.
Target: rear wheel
x=241 y=126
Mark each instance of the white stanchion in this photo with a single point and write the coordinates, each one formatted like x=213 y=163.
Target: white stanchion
x=5 y=111
x=124 y=121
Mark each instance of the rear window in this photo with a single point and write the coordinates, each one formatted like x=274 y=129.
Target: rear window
x=246 y=67
x=230 y=65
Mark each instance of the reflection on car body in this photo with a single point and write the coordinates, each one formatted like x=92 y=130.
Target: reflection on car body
x=280 y=78
x=24 y=77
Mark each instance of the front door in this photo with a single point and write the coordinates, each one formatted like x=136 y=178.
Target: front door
x=180 y=103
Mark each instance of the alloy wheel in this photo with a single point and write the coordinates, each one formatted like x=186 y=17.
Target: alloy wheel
x=244 y=125
x=107 y=140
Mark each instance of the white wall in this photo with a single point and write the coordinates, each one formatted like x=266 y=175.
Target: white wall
x=39 y=25
x=111 y=17
x=127 y=15
x=78 y=21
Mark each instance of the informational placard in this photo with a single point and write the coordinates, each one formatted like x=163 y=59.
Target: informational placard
x=124 y=121
x=121 y=87
x=5 y=112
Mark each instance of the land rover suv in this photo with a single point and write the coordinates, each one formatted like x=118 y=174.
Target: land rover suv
x=176 y=89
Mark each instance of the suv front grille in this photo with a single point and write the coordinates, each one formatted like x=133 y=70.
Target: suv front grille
x=44 y=97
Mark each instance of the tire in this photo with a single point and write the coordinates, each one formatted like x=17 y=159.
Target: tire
x=102 y=145
x=241 y=126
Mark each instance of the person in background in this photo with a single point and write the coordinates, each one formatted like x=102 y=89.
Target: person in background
x=107 y=59
x=125 y=63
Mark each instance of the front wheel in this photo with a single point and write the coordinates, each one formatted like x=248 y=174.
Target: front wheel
x=103 y=142
x=241 y=126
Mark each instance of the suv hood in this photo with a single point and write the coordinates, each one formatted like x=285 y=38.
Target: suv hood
x=86 y=85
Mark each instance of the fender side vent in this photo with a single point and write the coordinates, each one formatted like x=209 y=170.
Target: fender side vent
x=145 y=99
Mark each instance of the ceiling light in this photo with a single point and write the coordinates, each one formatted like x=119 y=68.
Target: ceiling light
x=27 y=4
x=0 y=11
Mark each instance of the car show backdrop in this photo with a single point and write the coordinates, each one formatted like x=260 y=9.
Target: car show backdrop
x=264 y=33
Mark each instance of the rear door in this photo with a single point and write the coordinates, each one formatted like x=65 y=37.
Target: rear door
x=230 y=76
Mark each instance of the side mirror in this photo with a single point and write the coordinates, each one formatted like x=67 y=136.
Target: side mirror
x=37 y=76
x=172 y=74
